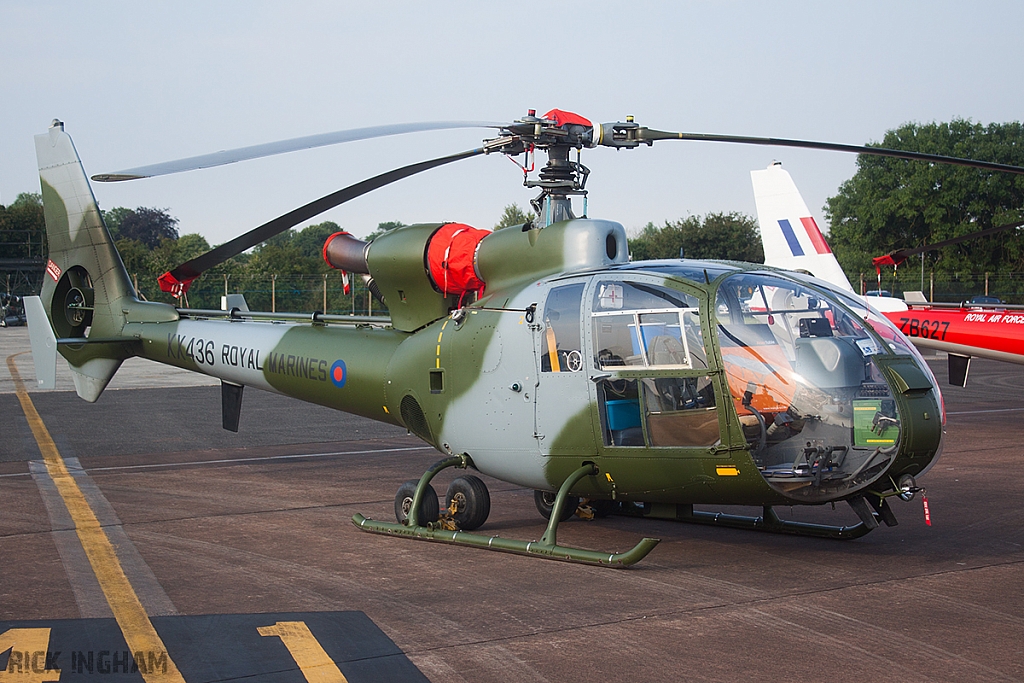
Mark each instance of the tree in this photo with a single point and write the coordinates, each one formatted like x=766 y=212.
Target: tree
x=513 y=215
x=147 y=264
x=730 y=236
x=113 y=219
x=149 y=226
x=894 y=203
x=310 y=240
x=22 y=228
x=281 y=255
x=383 y=228
x=172 y=253
x=138 y=261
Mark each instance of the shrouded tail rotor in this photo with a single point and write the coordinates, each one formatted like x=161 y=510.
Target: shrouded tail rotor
x=71 y=307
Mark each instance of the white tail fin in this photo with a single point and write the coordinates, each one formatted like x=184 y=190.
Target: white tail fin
x=790 y=236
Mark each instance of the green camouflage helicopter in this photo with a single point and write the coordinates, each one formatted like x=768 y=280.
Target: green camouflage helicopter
x=539 y=355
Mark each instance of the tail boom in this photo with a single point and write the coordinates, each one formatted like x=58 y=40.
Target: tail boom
x=341 y=367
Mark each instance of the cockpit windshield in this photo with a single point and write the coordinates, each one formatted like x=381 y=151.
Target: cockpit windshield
x=814 y=407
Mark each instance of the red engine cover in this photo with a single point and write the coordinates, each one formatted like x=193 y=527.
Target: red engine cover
x=450 y=258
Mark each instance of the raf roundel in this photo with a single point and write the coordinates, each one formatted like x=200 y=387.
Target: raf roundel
x=339 y=373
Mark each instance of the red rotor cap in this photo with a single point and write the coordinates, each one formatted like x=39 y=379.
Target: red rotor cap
x=565 y=118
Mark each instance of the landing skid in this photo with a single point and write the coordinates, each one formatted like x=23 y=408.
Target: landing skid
x=768 y=521
x=547 y=547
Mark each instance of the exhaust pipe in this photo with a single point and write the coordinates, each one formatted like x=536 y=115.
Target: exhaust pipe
x=342 y=251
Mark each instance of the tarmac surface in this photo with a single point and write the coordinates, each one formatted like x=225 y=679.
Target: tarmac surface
x=230 y=540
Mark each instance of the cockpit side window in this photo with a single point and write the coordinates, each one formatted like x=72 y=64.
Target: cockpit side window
x=642 y=325
x=561 y=337
x=642 y=328
x=680 y=411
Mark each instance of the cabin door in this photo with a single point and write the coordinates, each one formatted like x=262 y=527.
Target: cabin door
x=563 y=418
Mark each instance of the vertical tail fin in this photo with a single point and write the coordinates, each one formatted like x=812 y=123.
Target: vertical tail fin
x=86 y=291
x=791 y=237
x=788 y=231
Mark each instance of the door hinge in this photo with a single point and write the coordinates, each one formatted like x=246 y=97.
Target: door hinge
x=720 y=448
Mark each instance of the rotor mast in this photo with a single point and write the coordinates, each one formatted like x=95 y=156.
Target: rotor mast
x=557 y=133
x=559 y=180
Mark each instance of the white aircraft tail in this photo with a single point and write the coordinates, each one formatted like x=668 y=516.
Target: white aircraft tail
x=790 y=235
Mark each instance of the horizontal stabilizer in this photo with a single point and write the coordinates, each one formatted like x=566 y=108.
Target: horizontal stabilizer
x=43 y=341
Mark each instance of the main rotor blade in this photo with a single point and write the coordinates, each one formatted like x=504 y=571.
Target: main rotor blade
x=270 y=148
x=895 y=258
x=190 y=270
x=648 y=134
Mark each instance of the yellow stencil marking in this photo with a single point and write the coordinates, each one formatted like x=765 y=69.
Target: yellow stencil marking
x=138 y=630
x=727 y=470
x=316 y=665
x=440 y=334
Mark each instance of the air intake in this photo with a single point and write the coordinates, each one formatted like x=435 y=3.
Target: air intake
x=414 y=419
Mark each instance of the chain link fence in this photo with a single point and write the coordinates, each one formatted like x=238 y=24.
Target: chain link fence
x=277 y=293
x=956 y=287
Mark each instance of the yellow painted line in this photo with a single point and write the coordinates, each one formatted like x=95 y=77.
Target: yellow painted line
x=316 y=665
x=138 y=630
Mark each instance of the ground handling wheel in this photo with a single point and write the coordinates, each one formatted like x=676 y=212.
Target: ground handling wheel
x=545 y=501
x=429 y=510
x=468 y=502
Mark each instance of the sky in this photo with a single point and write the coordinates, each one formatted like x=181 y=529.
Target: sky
x=138 y=83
